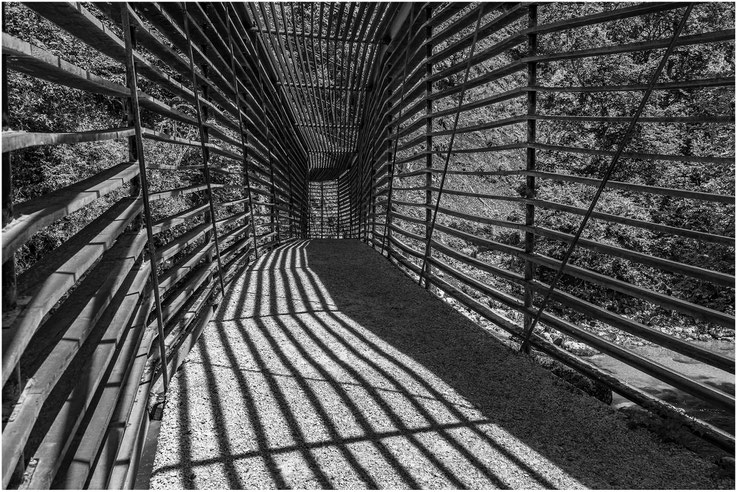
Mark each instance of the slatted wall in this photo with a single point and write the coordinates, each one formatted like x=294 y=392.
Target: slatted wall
x=456 y=111
x=324 y=210
x=211 y=176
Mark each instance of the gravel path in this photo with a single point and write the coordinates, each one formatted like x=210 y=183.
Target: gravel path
x=326 y=367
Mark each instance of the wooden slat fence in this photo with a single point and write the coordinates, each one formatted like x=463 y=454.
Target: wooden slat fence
x=494 y=253
x=213 y=176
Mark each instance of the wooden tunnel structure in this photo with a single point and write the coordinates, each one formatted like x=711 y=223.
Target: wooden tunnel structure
x=249 y=125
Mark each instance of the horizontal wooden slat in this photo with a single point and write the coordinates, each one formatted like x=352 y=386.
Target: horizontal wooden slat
x=37 y=62
x=682 y=84
x=177 y=219
x=184 y=267
x=677 y=231
x=16 y=140
x=74 y=477
x=118 y=398
x=177 y=192
x=662 y=263
x=709 y=357
x=639 y=362
x=179 y=243
x=76 y=319
x=34 y=215
x=634 y=155
x=47 y=282
x=116 y=321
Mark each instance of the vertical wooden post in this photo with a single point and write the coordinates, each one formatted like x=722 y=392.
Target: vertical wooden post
x=529 y=273
x=131 y=75
x=428 y=142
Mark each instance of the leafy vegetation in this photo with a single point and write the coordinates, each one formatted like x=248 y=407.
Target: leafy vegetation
x=45 y=107
x=702 y=138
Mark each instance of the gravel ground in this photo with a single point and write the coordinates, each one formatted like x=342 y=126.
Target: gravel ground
x=326 y=367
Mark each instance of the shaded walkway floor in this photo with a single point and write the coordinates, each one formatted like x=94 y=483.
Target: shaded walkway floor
x=326 y=367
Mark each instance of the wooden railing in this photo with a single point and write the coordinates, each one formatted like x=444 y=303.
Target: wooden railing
x=84 y=325
x=457 y=112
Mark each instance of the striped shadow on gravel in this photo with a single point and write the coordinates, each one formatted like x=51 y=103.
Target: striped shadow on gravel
x=326 y=367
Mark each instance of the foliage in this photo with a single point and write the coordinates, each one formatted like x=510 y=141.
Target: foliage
x=45 y=107
x=690 y=62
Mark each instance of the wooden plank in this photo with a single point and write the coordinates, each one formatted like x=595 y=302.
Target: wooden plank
x=134 y=430
x=115 y=321
x=637 y=155
x=75 y=476
x=78 y=21
x=24 y=57
x=195 y=319
x=76 y=318
x=166 y=25
x=702 y=236
x=666 y=265
x=711 y=119
x=181 y=242
x=726 y=35
x=233 y=218
x=34 y=215
x=709 y=357
x=164 y=53
x=653 y=226
x=40 y=63
x=42 y=286
x=683 y=84
x=234 y=249
x=16 y=140
x=121 y=394
x=235 y=232
x=184 y=267
x=182 y=295
x=621 y=185
x=179 y=192
x=177 y=219
x=665 y=301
